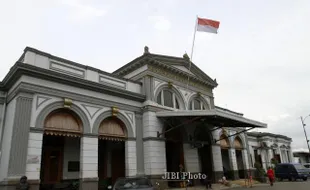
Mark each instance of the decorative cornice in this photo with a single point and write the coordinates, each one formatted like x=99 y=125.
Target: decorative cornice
x=26 y=87
x=20 y=69
x=179 y=75
x=81 y=66
x=154 y=108
x=153 y=59
x=154 y=139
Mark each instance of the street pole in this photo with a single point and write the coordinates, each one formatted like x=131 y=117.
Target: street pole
x=303 y=125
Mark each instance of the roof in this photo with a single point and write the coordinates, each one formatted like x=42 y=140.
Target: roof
x=168 y=61
x=224 y=109
x=215 y=117
x=301 y=153
x=263 y=134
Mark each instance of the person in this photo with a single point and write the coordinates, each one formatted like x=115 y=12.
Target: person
x=208 y=183
x=23 y=184
x=270 y=175
x=183 y=183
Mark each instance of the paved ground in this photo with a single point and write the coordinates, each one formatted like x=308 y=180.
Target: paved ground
x=298 y=185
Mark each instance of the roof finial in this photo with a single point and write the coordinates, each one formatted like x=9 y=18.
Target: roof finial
x=185 y=56
x=146 y=50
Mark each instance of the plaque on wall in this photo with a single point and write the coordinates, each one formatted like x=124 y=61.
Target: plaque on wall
x=33 y=160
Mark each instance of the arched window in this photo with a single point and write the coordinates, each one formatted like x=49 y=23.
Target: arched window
x=197 y=104
x=168 y=98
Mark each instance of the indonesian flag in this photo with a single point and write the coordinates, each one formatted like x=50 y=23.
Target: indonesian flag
x=207 y=25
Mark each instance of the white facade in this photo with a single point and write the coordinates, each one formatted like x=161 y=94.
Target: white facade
x=269 y=146
x=41 y=83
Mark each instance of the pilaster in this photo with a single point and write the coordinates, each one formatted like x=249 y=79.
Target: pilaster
x=33 y=166
x=20 y=136
x=89 y=163
x=130 y=158
x=139 y=145
x=191 y=159
x=154 y=147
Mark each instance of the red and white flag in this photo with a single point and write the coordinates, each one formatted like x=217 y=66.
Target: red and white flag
x=207 y=25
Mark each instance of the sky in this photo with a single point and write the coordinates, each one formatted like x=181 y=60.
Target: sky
x=260 y=57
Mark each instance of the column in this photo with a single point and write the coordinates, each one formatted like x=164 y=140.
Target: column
x=270 y=156
x=191 y=158
x=89 y=163
x=130 y=158
x=233 y=163
x=286 y=154
x=245 y=159
x=154 y=147
x=155 y=158
x=217 y=162
x=264 y=154
x=291 y=155
x=33 y=165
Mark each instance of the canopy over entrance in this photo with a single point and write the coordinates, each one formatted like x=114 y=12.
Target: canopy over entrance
x=214 y=117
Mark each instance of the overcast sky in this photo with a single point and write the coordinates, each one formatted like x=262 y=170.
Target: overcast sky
x=260 y=58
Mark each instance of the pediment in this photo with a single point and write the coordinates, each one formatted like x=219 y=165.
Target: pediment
x=183 y=68
x=178 y=65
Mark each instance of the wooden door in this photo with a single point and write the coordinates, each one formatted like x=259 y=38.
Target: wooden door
x=118 y=162
x=53 y=163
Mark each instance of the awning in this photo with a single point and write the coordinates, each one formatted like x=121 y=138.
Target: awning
x=216 y=117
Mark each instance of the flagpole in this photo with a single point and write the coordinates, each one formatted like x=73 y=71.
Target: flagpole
x=193 y=44
x=194 y=40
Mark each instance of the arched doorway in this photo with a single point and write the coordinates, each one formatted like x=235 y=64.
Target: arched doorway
x=61 y=147
x=225 y=145
x=239 y=147
x=203 y=134
x=174 y=150
x=111 y=151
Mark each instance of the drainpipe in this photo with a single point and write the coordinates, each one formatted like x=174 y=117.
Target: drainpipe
x=3 y=123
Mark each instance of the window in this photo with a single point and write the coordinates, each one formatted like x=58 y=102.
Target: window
x=197 y=104
x=168 y=98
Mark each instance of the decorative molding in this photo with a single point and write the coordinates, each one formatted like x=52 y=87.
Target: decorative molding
x=154 y=139
x=170 y=85
x=67 y=69
x=185 y=93
x=114 y=110
x=178 y=77
x=21 y=69
x=157 y=83
x=67 y=103
x=39 y=121
x=40 y=100
x=114 y=82
x=91 y=110
x=130 y=116
x=27 y=87
x=121 y=116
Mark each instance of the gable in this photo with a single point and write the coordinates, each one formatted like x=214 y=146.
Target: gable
x=180 y=65
x=183 y=69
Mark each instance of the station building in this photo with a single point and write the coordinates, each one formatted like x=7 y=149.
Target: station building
x=62 y=121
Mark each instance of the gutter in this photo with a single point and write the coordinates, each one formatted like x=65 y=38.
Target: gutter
x=3 y=123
